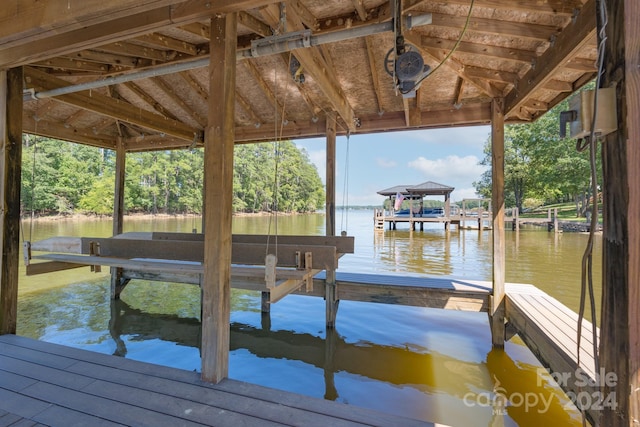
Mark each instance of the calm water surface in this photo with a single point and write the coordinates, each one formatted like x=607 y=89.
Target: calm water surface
x=429 y=364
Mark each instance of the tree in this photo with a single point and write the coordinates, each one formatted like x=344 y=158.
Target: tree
x=539 y=165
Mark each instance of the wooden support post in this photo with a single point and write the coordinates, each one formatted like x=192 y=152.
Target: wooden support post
x=480 y=222
x=517 y=218
x=117 y=282
x=218 y=175
x=620 y=323
x=555 y=220
x=331 y=301
x=265 y=304
x=10 y=166
x=331 y=175
x=497 y=309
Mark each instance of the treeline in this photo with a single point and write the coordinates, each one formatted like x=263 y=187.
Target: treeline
x=540 y=167
x=59 y=177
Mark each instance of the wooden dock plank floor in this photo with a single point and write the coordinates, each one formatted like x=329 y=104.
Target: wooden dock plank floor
x=49 y=384
x=549 y=328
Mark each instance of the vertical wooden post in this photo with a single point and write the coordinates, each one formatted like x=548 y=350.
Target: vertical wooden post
x=331 y=175
x=218 y=175
x=496 y=311
x=117 y=284
x=10 y=176
x=620 y=324
x=555 y=220
x=330 y=291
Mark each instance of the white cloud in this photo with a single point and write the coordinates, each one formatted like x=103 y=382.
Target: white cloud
x=385 y=163
x=451 y=170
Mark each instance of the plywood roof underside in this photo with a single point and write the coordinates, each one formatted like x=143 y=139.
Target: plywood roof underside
x=530 y=53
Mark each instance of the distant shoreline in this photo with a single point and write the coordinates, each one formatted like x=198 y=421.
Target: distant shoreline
x=145 y=216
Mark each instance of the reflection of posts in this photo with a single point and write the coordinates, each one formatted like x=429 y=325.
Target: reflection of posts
x=115 y=328
x=330 y=344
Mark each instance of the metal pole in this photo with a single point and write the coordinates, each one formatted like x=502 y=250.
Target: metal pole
x=262 y=47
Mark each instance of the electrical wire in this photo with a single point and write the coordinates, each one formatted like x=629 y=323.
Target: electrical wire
x=587 y=258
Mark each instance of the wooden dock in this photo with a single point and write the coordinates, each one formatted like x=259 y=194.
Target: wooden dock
x=381 y=216
x=549 y=328
x=48 y=384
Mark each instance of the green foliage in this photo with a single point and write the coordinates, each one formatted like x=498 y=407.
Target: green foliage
x=540 y=166
x=71 y=178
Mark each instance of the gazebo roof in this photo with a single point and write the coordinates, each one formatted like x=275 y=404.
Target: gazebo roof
x=392 y=191
x=428 y=188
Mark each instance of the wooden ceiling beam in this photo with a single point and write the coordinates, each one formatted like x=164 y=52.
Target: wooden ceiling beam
x=453 y=65
x=149 y=100
x=134 y=50
x=491 y=75
x=195 y=85
x=244 y=104
x=115 y=60
x=169 y=43
x=555 y=7
x=108 y=22
x=71 y=64
x=566 y=46
x=375 y=77
x=302 y=14
x=198 y=29
x=266 y=90
x=498 y=52
x=73 y=119
x=114 y=109
x=471 y=114
x=254 y=24
x=582 y=64
x=496 y=27
x=558 y=86
x=458 y=92
x=315 y=65
x=171 y=94
x=359 y=7
x=67 y=133
x=313 y=108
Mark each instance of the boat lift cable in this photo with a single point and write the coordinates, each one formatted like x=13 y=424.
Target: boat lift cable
x=587 y=258
x=27 y=242
x=278 y=131
x=344 y=219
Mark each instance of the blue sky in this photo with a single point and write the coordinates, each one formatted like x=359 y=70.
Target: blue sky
x=378 y=161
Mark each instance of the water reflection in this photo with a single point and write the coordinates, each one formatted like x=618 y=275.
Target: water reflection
x=406 y=360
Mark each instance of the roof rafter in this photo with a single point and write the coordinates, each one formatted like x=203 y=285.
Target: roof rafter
x=374 y=71
x=171 y=93
x=316 y=66
x=67 y=133
x=87 y=29
x=567 y=44
x=454 y=65
x=149 y=100
x=112 y=108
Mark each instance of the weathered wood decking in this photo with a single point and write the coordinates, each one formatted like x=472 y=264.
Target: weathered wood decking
x=549 y=328
x=49 y=384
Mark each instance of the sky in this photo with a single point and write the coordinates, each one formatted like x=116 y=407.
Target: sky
x=378 y=161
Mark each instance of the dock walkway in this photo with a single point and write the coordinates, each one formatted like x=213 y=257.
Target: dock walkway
x=48 y=384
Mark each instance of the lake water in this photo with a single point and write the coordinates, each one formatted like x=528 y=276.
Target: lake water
x=430 y=364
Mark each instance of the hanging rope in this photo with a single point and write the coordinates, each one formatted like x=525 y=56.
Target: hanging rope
x=344 y=219
x=586 y=284
x=278 y=131
x=27 y=242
